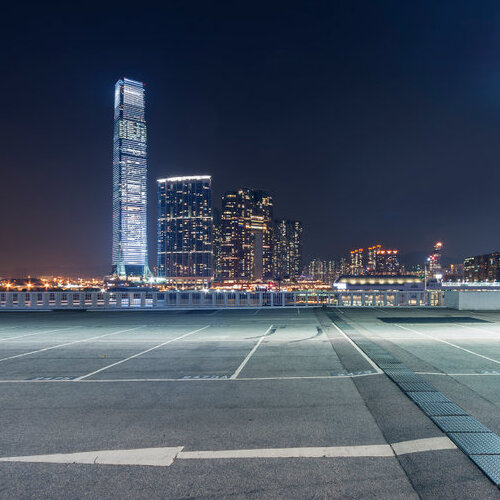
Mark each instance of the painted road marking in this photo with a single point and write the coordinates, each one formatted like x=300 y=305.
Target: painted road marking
x=370 y=361
x=164 y=457
x=140 y=353
x=377 y=450
x=159 y=457
x=69 y=343
x=191 y=379
x=250 y=354
x=449 y=343
x=419 y=445
x=39 y=333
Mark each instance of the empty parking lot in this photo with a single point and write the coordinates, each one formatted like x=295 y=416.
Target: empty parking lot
x=269 y=403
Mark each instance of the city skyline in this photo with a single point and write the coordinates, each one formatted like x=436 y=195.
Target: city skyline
x=372 y=137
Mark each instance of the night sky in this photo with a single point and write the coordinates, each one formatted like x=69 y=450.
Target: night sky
x=372 y=122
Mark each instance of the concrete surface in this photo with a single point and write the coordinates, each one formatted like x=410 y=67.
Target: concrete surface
x=287 y=385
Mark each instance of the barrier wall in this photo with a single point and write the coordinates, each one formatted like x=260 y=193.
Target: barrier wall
x=465 y=300
x=213 y=299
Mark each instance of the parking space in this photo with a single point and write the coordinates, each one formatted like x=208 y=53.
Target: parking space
x=267 y=402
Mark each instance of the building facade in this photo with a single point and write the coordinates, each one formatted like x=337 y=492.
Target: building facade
x=387 y=262
x=371 y=258
x=287 y=249
x=185 y=231
x=482 y=268
x=130 y=248
x=357 y=262
x=245 y=249
x=435 y=260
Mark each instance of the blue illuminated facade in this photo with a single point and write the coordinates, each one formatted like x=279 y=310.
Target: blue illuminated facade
x=130 y=249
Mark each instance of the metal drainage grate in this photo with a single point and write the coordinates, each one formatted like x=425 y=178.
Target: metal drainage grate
x=485 y=443
x=459 y=424
x=438 y=409
x=417 y=387
x=405 y=377
x=490 y=465
x=428 y=397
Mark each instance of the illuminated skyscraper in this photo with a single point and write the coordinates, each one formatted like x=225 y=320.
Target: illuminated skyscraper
x=245 y=232
x=371 y=258
x=435 y=260
x=357 y=262
x=288 y=249
x=185 y=232
x=387 y=262
x=130 y=248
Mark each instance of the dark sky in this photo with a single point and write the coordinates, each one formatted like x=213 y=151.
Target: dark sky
x=369 y=121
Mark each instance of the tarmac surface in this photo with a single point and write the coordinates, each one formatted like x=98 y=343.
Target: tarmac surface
x=263 y=403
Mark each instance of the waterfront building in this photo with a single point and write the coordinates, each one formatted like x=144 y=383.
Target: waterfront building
x=387 y=262
x=185 y=231
x=287 y=249
x=130 y=248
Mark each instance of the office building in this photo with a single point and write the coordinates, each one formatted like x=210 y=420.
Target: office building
x=185 y=231
x=287 y=249
x=130 y=248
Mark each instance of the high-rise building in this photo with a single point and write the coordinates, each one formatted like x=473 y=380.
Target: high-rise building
x=287 y=249
x=130 y=247
x=387 y=262
x=245 y=250
x=261 y=225
x=357 y=262
x=435 y=261
x=322 y=270
x=371 y=260
x=185 y=232
x=482 y=268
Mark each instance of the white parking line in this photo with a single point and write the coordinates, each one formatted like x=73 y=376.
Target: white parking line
x=449 y=343
x=249 y=355
x=38 y=333
x=372 y=364
x=140 y=353
x=69 y=343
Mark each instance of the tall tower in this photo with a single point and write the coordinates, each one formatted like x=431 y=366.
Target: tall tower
x=130 y=247
x=288 y=249
x=185 y=230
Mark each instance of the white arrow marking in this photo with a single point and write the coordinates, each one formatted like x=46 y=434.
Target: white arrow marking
x=160 y=457
x=163 y=457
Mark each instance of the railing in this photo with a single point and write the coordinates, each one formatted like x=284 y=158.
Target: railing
x=23 y=301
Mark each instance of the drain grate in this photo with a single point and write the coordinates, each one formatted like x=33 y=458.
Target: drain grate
x=428 y=397
x=459 y=424
x=417 y=387
x=405 y=377
x=490 y=465
x=441 y=409
x=485 y=443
